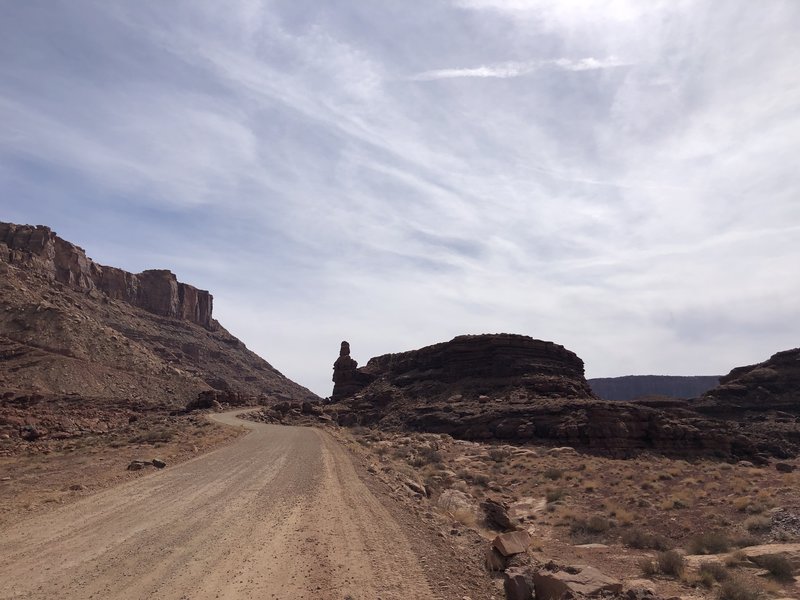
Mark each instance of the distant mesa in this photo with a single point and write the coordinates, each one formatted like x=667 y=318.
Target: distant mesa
x=632 y=387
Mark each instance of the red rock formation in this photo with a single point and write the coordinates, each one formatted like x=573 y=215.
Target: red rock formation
x=521 y=390
x=157 y=291
x=477 y=364
x=347 y=380
x=773 y=385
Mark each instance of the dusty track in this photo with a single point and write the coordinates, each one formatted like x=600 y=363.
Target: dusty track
x=279 y=514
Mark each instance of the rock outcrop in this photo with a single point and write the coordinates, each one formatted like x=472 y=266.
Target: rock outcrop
x=773 y=385
x=478 y=364
x=555 y=583
x=347 y=379
x=520 y=390
x=157 y=291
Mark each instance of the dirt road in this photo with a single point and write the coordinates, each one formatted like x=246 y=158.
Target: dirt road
x=278 y=514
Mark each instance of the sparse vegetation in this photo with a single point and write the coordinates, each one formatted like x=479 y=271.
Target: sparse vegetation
x=465 y=516
x=778 y=566
x=758 y=524
x=587 y=528
x=711 y=572
x=712 y=542
x=154 y=436
x=499 y=454
x=637 y=538
x=746 y=540
x=648 y=566
x=553 y=473
x=671 y=563
x=737 y=587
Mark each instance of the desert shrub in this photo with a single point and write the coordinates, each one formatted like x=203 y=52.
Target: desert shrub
x=499 y=454
x=430 y=454
x=598 y=524
x=736 y=559
x=465 y=516
x=744 y=541
x=482 y=480
x=737 y=587
x=711 y=572
x=676 y=501
x=712 y=542
x=647 y=566
x=465 y=474
x=636 y=538
x=553 y=473
x=402 y=452
x=623 y=517
x=757 y=524
x=671 y=563
x=778 y=566
x=592 y=526
x=159 y=434
x=554 y=495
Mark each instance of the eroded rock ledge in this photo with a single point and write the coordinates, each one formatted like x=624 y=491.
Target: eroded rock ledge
x=156 y=291
x=521 y=390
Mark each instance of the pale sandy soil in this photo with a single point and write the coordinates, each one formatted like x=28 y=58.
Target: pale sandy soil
x=281 y=513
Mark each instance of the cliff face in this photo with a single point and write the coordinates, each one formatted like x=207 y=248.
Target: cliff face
x=773 y=385
x=631 y=387
x=71 y=327
x=156 y=291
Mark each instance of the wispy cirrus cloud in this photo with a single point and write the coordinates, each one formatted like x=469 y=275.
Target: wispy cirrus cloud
x=612 y=192
x=510 y=69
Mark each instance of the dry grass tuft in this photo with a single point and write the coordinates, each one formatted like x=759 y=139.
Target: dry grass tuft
x=712 y=542
x=636 y=538
x=736 y=587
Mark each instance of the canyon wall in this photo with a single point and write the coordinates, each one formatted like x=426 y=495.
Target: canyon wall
x=156 y=291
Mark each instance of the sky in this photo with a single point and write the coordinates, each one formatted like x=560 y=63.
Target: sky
x=617 y=176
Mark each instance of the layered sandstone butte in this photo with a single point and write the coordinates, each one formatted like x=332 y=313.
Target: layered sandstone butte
x=521 y=390
x=70 y=328
x=481 y=363
x=773 y=385
x=156 y=291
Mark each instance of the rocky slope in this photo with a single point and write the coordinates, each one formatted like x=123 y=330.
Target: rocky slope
x=521 y=390
x=631 y=387
x=773 y=385
x=73 y=331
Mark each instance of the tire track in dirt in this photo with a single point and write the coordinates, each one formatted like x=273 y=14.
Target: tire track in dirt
x=281 y=513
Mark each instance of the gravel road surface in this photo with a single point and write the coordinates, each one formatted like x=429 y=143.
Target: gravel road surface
x=281 y=513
